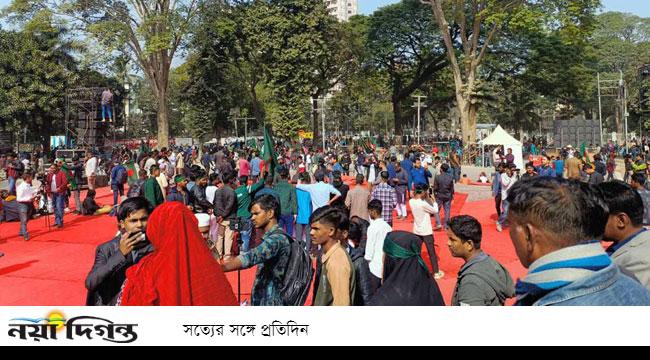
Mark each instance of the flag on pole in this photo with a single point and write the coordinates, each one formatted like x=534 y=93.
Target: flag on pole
x=132 y=174
x=268 y=152
x=584 y=154
x=68 y=176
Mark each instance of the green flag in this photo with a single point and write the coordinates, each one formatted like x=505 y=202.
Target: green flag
x=268 y=152
x=131 y=172
x=583 y=152
x=69 y=177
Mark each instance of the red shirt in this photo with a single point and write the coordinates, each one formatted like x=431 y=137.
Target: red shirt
x=244 y=167
x=61 y=183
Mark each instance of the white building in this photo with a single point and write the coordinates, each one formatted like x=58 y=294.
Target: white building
x=343 y=9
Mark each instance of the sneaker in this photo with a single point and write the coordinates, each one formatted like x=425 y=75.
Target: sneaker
x=439 y=275
x=2 y=254
x=437 y=228
x=26 y=237
x=499 y=228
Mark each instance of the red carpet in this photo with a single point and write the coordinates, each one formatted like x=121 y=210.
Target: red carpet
x=50 y=269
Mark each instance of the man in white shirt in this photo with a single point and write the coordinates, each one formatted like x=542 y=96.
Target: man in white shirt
x=422 y=211
x=91 y=170
x=163 y=183
x=377 y=232
x=213 y=185
x=151 y=161
x=320 y=192
x=25 y=195
x=508 y=180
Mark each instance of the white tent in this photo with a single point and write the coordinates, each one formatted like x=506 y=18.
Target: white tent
x=501 y=137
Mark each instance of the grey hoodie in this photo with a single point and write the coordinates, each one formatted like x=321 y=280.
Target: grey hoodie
x=483 y=282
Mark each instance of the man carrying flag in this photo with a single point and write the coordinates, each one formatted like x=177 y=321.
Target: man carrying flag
x=72 y=184
x=268 y=153
x=584 y=153
x=131 y=171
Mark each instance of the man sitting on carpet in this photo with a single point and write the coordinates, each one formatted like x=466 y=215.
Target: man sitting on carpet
x=114 y=257
x=556 y=228
x=90 y=207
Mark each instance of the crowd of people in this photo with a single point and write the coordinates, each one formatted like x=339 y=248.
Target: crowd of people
x=187 y=215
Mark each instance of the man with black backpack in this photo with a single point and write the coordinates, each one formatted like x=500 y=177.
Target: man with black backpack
x=283 y=267
x=119 y=176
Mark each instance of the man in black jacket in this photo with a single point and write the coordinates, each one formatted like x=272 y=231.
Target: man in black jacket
x=361 y=267
x=444 y=192
x=201 y=203
x=114 y=257
x=225 y=209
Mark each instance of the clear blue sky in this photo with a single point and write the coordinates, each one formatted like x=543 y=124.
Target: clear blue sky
x=639 y=7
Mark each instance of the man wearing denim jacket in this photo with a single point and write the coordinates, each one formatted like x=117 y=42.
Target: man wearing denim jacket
x=631 y=241
x=556 y=228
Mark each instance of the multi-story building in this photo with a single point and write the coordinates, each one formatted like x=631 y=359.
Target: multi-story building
x=343 y=9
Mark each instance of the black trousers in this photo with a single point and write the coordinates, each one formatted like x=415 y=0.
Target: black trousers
x=375 y=284
x=428 y=241
x=497 y=202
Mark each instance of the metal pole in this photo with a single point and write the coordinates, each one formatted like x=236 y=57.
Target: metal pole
x=323 y=118
x=600 y=112
x=245 y=130
x=419 y=103
x=236 y=131
x=625 y=114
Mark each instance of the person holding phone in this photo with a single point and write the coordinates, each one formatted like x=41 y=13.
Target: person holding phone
x=114 y=257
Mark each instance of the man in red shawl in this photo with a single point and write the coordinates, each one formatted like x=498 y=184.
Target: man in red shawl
x=181 y=271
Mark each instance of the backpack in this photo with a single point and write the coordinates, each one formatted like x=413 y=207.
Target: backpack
x=298 y=276
x=122 y=176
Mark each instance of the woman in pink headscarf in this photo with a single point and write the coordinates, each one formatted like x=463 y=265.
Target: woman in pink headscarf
x=181 y=271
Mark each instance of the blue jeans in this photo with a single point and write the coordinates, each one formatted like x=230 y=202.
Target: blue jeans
x=107 y=108
x=504 y=214
x=302 y=234
x=456 y=173
x=447 y=206
x=12 y=185
x=118 y=190
x=245 y=234
x=23 y=212
x=59 y=206
x=286 y=223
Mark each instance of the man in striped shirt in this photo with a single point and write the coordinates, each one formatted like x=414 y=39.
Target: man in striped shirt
x=388 y=197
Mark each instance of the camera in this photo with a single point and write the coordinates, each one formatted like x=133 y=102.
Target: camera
x=238 y=225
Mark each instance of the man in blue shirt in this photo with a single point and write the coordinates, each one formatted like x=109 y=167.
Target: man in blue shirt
x=118 y=179
x=559 y=167
x=419 y=174
x=304 y=212
x=407 y=165
x=320 y=191
x=256 y=163
x=392 y=173
x=268 y=189
x=546 y=169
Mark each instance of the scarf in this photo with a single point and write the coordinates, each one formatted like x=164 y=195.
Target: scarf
x=180 y=271
x=560 y=269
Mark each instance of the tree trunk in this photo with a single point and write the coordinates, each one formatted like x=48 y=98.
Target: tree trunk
x=257 y=108
x=315 y=124
x=163 y=121
x=473 y=118
x=397 y=114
